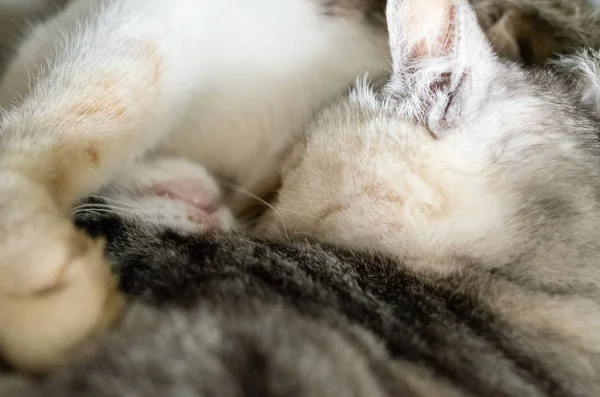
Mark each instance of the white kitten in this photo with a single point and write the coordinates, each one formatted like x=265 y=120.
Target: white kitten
x=226 y=83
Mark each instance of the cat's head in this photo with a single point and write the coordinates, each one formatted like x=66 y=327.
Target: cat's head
x=458 y=146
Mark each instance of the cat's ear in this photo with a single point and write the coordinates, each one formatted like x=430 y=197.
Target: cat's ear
x=440 y=59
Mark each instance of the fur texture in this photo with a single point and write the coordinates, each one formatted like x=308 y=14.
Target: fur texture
x=463 y=162
x=106 y=82
x=462 y=198
x=93 y=89
x=223 y=315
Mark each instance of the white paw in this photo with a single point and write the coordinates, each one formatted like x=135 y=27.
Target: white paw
x=56 y=288
x=168 y=193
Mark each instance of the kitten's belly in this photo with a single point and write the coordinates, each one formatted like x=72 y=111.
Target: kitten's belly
x=256 y=96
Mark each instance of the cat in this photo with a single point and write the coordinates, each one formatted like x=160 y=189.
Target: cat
x=449 y=217
x=91 y=69
x=228 y=84
x=102 y=83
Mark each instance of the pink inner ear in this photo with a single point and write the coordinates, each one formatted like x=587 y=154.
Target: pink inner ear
x=431 y=25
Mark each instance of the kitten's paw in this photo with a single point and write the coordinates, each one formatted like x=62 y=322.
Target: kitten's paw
x=56 y=288
x=202 y=203
x=172 y=193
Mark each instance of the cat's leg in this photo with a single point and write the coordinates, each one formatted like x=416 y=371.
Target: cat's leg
x=96 y=99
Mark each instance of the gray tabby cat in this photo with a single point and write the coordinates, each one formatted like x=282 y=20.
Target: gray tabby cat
x=104 y=83
x=463 y=201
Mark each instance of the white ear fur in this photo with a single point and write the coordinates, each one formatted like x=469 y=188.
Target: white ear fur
x=437 y=47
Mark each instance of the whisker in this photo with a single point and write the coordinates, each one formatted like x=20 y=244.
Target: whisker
x=113 y=200
x=298 y=225
x=105 y=207
x=100 y=211
x=124 y=210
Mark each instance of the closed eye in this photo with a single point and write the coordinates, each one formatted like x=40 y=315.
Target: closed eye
x=452 y=94
x=330 y=210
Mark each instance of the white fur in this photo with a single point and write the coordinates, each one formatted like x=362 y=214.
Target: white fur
x=239 y=79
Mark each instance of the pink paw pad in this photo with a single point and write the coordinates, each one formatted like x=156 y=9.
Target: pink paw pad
x=190 y=192
x=203 y=202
